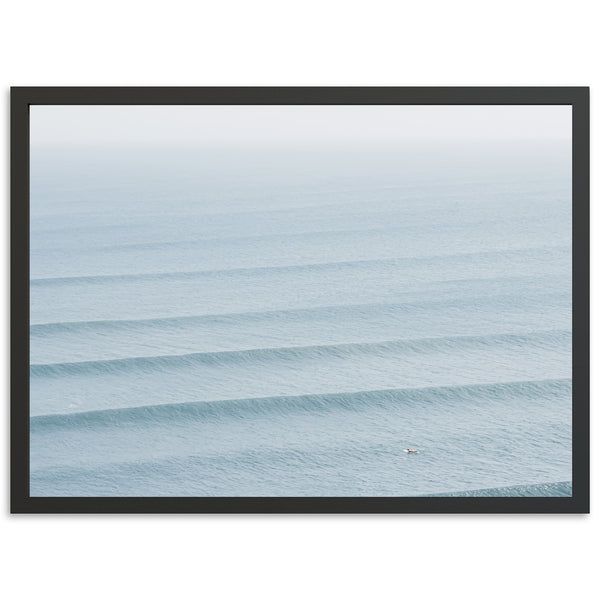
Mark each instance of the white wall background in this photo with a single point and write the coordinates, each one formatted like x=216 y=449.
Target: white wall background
x=313 y=42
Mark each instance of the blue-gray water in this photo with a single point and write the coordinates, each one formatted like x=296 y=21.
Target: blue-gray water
x=285 y=322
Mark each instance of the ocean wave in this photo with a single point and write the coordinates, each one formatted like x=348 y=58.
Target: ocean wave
x=278 y=269
x=558 y=488
x=287 y=405
x=184 y=275
x=241 y=239
x=337 y=311
x=536 y=339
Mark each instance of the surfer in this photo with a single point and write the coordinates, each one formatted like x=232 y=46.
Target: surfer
x=412 y=451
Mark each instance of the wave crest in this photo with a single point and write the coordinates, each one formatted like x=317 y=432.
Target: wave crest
x=313 y=403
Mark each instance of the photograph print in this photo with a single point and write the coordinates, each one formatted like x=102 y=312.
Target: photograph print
x=279 y=301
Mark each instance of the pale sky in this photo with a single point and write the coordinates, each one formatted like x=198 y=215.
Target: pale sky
x=78 y=125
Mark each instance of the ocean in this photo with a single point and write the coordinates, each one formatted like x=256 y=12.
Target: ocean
x=287 y=321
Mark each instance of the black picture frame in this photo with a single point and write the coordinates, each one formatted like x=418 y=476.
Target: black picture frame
x=23 y=97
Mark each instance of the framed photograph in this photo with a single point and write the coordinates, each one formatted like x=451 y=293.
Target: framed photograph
x=300 y=300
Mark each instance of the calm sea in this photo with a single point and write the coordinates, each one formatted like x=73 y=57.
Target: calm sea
x=287 y=321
